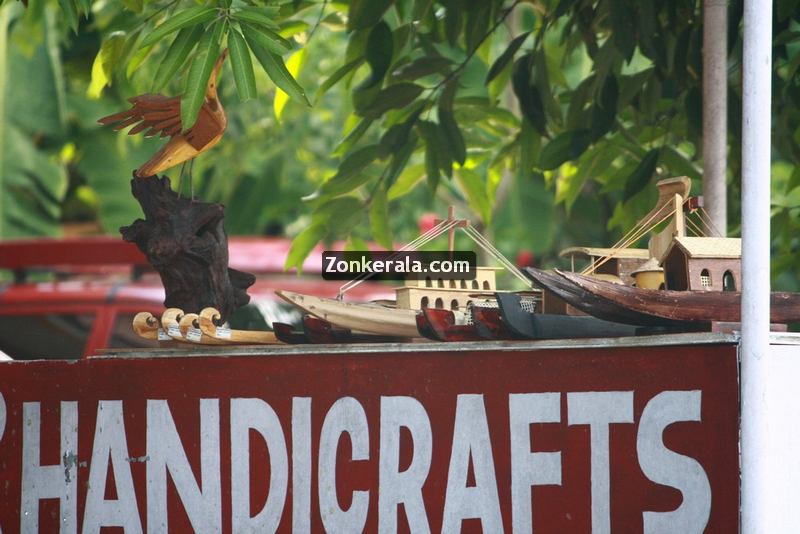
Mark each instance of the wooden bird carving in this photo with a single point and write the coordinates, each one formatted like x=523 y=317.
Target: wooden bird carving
x=161 y=115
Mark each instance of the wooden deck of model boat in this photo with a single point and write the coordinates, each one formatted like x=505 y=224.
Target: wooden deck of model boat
x=653 y=306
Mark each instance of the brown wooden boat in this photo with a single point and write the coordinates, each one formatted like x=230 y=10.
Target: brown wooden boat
x=592 y=304
x=658 y=307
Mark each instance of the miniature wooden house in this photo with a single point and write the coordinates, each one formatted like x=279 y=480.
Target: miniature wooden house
x=446 y=294
x=703 y=263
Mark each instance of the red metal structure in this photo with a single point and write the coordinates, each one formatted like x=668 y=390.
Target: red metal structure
x=95 y=285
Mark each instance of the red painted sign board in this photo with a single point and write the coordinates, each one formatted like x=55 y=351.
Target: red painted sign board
x=626 y=439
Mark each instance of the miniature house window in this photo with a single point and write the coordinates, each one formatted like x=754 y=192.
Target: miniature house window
x=439 y=303
x=454 y=305
x=485 y=284
x=463 y=284
x=452 y=284
x=440 y=282
x=705 y=278
x=728 y=281
x=424 y=303
x=475 y=284
x=428 y=282
x=469 y=303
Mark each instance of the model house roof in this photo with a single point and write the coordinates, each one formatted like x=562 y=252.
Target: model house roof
x=597 y=252
x=708 y=247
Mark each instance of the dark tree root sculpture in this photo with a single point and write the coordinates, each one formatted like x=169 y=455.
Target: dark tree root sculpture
x=184 y=240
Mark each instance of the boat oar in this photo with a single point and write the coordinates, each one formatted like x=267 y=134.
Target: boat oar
x=208 y=324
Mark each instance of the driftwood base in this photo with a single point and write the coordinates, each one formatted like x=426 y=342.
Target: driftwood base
x=184 y=240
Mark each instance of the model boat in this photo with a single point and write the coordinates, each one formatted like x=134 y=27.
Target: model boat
x=687 y=281
x=660 y=307
x=529 y=325
x=398 y=318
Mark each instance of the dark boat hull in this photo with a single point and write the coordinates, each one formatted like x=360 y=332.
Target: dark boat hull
x=546 y=326
x=682 y=306
x=596 y=306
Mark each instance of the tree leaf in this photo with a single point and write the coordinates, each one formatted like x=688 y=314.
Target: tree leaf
x=242 y=66
x=507 y=55
x=350 y=175
x=186 y=17
x=260 y=16
x=293 y=65
x=379 y=219
x=353 y=136
x=604 y=111
x=453 y=136
x=365 y=13
x=641 y=175
x=303 y=244
x=474 y=189
x=393 y=97
x=378 y=53
x=423 y=66
x=433 y=152
x=340 y=73
x=178 y=51
x=400 y=158
x=265 y=38
x=406 y=181
x=199 y=73
x=530 y=100
x=70 y=9
x=564 y=147
x=340 y=215
x=276 y=70
x=104 y=64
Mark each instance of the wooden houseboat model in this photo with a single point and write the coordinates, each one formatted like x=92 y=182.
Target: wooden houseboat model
x=683 y=280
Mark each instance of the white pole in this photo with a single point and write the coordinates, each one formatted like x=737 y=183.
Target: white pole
x=756 y=146
x=715 y=111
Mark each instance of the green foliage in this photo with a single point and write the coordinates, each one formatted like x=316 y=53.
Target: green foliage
x=543 y=120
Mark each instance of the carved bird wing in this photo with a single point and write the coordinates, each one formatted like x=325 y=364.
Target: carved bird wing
x=161 y=115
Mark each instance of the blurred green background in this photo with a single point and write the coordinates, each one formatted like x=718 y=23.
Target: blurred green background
x=551 y=140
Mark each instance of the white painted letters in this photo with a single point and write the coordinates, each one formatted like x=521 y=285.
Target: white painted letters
x=669 y=468
x=256 y=414
x=471 y=440
x=598 y=410
x=58 y=481
x=110 y=444
x=530 y=468
x=166 y=453
x=403 y=487
x=345 y=416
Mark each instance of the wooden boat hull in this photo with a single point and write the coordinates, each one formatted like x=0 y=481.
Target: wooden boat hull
x=547 y=326
x=286 y=333
x=490 y=325
x=364 y=317
x=686 y=306
x=443 y=323
x=321 y=331
x=597 y=306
